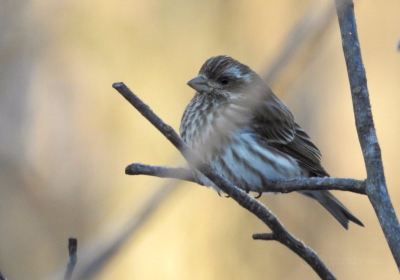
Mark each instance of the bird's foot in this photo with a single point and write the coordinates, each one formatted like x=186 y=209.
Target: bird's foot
x=259 y=194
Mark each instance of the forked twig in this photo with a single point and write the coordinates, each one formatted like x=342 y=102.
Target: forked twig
x=243 y=199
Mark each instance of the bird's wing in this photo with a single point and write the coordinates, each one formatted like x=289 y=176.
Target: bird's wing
x=275 y=123
x=273 y=120
x=305 y=152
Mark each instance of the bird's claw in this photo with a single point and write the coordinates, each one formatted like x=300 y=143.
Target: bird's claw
x=258 y=195
x=221 y=194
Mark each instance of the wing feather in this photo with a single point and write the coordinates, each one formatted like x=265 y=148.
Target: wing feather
x=275 y=123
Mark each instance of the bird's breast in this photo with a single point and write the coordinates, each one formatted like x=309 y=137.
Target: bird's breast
x=204 y=124
x=219 y=134
x=249 y=163
x=208 y=123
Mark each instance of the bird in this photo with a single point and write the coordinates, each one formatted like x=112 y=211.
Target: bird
x=245 y=133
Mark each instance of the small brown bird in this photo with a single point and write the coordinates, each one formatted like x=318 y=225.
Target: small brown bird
x=236 y=124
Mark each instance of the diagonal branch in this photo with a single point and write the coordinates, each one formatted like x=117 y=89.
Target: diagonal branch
x=246 y=201
x=282 y=186
x=376 y=185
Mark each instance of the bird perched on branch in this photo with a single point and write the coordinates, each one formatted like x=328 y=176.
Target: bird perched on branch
x=239 y=127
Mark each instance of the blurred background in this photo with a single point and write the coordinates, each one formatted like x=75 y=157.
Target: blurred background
x=66 y=136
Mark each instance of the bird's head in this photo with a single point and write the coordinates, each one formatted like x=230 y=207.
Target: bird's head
x=223 y=75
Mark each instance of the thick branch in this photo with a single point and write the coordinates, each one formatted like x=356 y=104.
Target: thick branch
x=246 y=201
x=376 y=185
x=282 y=186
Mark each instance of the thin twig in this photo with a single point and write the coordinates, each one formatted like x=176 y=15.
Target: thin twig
x=246 y=201
x=376 y=185
x=72 y=249
x=162 y=172
x=282 y=186
x=264 y=236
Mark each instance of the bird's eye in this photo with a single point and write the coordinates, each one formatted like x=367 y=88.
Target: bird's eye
x=223 y=81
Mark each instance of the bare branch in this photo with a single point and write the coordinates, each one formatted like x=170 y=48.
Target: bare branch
x=162 y=172
x=72 y=249
x=376 y=185
x=246 y=201
x=282 y=186
x=264 y=236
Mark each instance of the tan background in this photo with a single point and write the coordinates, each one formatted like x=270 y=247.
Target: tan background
x=66 y=135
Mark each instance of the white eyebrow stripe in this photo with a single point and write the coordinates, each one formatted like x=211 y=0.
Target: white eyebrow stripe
x=237 y=72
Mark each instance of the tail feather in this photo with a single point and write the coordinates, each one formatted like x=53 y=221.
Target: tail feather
x=334 y=206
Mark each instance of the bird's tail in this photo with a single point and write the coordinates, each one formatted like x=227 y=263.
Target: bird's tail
x=334 y=206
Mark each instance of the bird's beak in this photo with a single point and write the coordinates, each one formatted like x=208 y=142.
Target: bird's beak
x=199 y=84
